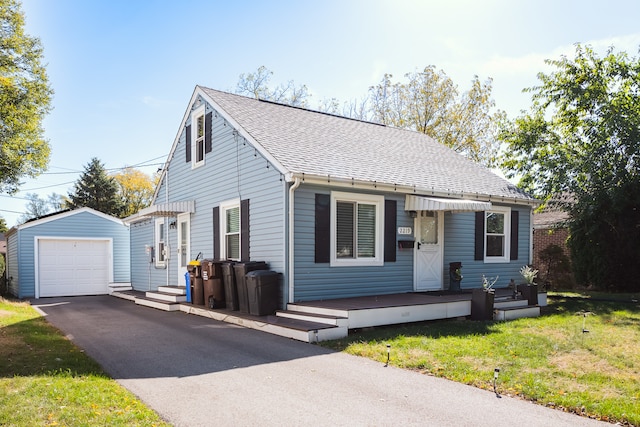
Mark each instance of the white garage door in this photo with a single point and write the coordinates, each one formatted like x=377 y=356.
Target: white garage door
x=73 y=267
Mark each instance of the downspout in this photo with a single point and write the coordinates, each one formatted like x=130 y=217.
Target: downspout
x=166 y=225
x=292 y=189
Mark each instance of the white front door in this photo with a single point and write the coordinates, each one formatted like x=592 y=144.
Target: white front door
x=184 y=246
x=428 y=250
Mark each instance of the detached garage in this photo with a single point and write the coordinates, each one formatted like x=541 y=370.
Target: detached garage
x=78 y=252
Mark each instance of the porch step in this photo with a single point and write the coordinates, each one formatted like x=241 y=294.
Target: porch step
x=300 y=330
x=516 y=312
x=126 y=294
x=318 y=310
x=173 y=290
x=313 y=317
x=510 y=303
x=162 y=296
x=156 y=303
x=119 y=287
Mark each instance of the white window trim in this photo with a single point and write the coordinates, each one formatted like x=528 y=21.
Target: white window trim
x=370 y=199
x=506 y=211
x=200 y=111
x=224 y=206
x=158 y=251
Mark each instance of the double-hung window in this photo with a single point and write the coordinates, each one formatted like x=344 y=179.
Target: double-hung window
x=357 y=222
x=160 y=239
x=198 y=136
x=497 y=234
x=230 y=227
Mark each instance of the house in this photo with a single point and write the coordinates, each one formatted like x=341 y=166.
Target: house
x=74 y=252
x=340 y=207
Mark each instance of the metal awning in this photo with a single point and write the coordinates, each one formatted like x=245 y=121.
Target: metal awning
x=421 y=203
x=164 y=210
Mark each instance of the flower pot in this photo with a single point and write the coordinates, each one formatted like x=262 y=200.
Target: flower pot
x=529 y=292
x=482 y=304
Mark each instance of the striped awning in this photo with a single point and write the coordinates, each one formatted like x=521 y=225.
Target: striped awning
x=164 y=210
x=421 y=203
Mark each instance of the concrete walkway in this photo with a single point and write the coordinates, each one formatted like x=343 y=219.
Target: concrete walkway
x=198 y=372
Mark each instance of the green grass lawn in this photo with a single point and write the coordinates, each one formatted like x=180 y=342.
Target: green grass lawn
x=46 y=380
x=549 y=360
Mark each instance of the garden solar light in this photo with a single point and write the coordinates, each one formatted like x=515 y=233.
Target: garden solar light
x=388 y=355
x=496 y=371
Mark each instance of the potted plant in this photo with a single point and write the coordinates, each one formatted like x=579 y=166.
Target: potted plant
x=529 y=289
x=482 y=300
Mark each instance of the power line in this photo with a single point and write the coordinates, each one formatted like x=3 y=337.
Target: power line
x=5 y=210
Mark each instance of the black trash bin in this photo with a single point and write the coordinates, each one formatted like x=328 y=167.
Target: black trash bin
x=241 y=270
x=195 y=275
x=263 y=290
x=229 y=284
x=212 y=284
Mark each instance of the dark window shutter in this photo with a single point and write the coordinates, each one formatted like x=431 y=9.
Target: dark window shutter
x=244 y=230
x=187 y=145
x=323 y=228
x=390 y=230
x=208 y=119
x=515 y=219
x=479 y=237
x=216 y=232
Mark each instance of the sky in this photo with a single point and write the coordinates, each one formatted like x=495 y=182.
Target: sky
x=123 y=71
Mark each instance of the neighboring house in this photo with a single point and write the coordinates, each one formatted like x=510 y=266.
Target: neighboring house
x=340 y=207
x=75 y=252
x=551 y=254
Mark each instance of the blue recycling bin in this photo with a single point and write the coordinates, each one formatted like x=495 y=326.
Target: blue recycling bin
x=187 y=280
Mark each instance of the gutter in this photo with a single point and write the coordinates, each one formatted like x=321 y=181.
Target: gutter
x=292 y=189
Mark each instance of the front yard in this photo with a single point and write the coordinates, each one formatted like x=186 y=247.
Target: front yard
x=582 y=355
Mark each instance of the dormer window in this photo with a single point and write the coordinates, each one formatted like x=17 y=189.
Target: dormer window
x=198 y=137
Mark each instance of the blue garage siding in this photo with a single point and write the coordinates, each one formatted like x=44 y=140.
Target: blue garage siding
x=459 y=246
x=320 y=281
x=232 y=170
x=83 y=224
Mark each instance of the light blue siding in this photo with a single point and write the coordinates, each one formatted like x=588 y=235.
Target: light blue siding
x=82 y=225
x=232 y=170
x=321 y=281
x=12 y=273
x=459 y=246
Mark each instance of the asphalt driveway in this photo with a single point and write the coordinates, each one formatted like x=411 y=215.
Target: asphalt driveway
x=198 y=372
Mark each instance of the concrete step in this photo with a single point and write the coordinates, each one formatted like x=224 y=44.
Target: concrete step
x=161 y=296
x=159 y=304
x=516 y=312
x=174 y=290
x=313 y=317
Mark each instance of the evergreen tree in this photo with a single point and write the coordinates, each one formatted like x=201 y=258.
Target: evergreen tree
x=97 y=190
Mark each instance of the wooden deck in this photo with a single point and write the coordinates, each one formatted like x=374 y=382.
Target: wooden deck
x=313 y=321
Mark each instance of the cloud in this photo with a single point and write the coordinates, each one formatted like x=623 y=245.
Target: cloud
x=154 y=102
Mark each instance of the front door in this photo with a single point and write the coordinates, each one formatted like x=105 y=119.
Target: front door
x=428 y=250
x=184 y=247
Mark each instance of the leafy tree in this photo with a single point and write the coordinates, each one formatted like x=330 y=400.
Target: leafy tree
x=582 y=137
x=135 y=189
x=257 y=85
x=429 y=102
x=97 y=190
x=3 y=225
x=36 y=207
x=25 y=97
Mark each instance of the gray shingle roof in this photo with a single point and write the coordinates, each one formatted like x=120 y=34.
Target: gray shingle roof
x=320 y=144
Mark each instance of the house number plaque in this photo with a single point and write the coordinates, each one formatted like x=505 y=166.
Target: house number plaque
x=404 y=230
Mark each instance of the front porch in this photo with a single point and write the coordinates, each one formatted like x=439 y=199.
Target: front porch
x=315 y=321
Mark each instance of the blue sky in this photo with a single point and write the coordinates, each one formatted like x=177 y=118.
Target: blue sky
x=124 y=70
